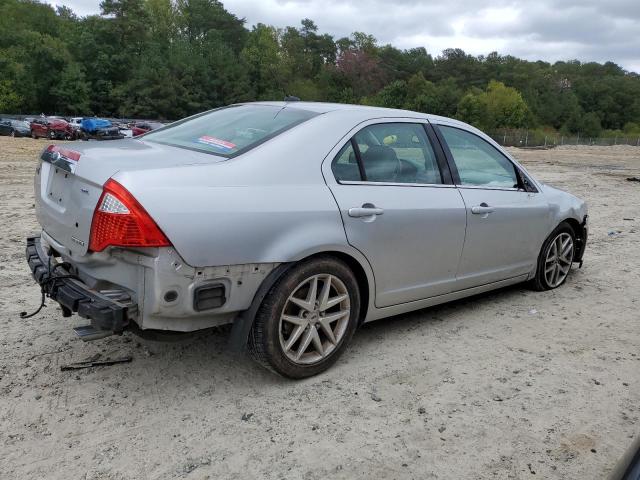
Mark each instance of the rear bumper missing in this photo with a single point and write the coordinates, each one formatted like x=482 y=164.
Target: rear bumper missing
x=57 y=282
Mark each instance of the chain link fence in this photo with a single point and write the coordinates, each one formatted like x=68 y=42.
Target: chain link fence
x=536 y=138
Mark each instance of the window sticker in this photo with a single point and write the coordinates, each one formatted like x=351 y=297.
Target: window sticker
x=217 y=143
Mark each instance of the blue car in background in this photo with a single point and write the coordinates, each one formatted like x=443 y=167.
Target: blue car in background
x=99 y=129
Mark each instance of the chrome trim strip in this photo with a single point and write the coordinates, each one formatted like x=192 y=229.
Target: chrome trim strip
x=392 y=184
x=481 y=187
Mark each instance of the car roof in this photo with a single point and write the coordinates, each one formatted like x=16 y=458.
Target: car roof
x=322 y=107
x=365 y=110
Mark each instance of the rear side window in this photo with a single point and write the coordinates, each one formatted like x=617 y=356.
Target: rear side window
x=345 y=165
x=478 y=162
x=232 y=130
x=389 y=153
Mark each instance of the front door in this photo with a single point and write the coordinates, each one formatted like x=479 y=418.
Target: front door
x=505 y=222
x=398 y=211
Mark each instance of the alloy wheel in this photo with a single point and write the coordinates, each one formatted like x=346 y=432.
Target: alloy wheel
x=558 y=260
x=314 y=319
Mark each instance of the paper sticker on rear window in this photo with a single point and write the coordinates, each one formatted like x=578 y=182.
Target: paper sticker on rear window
x=216 y=142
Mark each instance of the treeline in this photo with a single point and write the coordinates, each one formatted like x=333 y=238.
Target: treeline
x=168 y=59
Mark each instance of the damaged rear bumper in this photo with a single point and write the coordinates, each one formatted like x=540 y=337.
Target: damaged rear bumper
x=107 y=313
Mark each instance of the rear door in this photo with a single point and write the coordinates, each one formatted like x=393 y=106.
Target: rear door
x=399 y=208
x=506 y=216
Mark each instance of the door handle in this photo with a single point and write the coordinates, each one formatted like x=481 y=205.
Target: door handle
x=367 y=210
x=482 y=209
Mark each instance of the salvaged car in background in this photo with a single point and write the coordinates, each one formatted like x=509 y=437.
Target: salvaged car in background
x=296 y=222
x=52 y=128
x=14 y=128
x=76 y=122
x=99 y=129
x=139 y=128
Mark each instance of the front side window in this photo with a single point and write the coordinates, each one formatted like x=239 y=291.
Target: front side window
x=232 y=130
x=478 y=162
x=389 y=153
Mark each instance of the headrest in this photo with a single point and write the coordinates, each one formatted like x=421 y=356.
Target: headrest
x=380 y=163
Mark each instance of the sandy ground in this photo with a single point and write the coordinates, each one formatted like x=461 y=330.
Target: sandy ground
x=505 y=385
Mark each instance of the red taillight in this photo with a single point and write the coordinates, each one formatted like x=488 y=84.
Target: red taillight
x=120 y=221
x=65 y=152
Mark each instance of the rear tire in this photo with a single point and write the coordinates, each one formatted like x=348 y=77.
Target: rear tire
x=555 y=259
x=307 y=319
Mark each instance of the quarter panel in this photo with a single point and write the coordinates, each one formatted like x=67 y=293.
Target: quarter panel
x=215 y=225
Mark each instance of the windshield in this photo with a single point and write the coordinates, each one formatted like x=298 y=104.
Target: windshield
x=231 y=130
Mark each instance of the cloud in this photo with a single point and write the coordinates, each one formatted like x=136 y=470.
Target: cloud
x=550 y=30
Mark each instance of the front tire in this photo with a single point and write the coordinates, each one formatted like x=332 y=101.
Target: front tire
x=555 y=259
x=307 y=319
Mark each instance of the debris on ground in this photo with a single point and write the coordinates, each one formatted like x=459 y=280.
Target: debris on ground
x=95 y=361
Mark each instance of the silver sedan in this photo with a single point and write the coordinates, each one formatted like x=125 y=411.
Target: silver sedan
x=296 y=222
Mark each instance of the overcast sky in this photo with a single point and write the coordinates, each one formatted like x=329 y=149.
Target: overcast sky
x=589 y=30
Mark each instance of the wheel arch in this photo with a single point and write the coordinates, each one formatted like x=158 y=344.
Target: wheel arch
x=359 y=266
x=364 y=285
x=580 y=231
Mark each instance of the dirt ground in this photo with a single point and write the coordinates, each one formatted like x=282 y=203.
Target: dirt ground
x=505 y=385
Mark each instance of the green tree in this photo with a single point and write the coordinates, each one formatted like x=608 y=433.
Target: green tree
x=590 y=125
x=472 y=109
x=505 y=106
x=393 y=95
x=71 y=92
x=262 y=56
x=9 y=99
x=498 y=106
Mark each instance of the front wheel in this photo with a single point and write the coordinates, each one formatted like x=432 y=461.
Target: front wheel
x=555 y=259
x=52 y=135
x=307 y=319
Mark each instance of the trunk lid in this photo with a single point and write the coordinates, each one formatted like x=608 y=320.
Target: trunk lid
x=69 y=179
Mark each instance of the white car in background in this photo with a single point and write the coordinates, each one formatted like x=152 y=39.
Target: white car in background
x=75 y=122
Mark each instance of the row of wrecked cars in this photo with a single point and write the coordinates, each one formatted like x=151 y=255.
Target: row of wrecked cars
x=75 y=128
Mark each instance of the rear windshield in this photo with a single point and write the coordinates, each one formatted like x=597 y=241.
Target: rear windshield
x=230 y=131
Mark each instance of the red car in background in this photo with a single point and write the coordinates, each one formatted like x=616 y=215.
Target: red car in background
x=138 y=128
x=53 y=128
